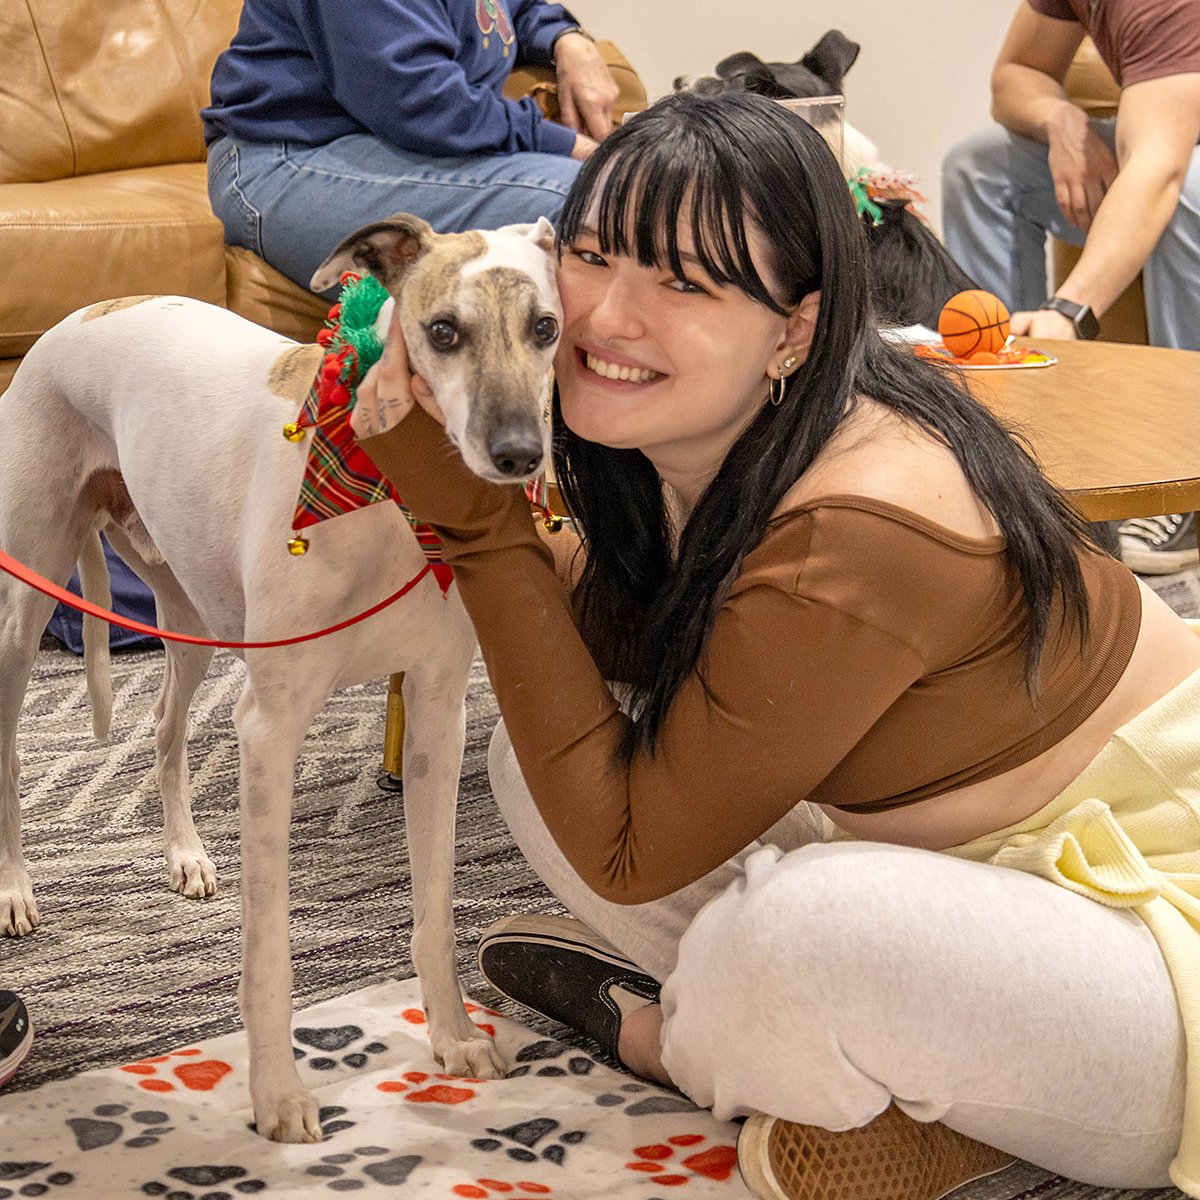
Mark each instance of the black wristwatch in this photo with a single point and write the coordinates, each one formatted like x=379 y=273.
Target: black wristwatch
x=1080 y=315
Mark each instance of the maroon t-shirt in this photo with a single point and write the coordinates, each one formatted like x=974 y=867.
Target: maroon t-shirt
x=1137 y=39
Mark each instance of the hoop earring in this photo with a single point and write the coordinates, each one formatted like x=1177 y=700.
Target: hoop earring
x=776 y=391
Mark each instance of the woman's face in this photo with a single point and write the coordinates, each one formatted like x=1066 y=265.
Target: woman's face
x=673 y=367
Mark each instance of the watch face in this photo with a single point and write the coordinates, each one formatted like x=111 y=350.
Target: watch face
x=1086 y=324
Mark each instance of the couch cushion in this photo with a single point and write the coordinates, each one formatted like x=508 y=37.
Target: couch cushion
x=268 y=297
x=71 y=242
x=105 y=86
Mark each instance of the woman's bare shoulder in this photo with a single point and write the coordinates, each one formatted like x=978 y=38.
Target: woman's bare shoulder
x=879 y=454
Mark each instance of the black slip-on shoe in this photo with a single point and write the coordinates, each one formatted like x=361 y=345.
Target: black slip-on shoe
x=16 y=1035
x=558 y=967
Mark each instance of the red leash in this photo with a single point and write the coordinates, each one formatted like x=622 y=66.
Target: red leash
x=25 y=575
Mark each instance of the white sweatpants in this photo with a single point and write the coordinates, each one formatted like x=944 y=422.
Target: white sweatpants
x=819 y=981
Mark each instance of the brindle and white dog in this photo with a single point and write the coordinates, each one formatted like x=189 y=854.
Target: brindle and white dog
x=157 y=420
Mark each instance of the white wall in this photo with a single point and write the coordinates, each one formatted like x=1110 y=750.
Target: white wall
x=920 y=82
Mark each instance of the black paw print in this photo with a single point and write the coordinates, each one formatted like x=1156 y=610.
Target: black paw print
x=333 y=1040
x=649 y=1106
x=390 y=1172
x=540 y=1052
x=13 y=1172
x=102 y=1128
x=206 y=1177
x=527 y=1135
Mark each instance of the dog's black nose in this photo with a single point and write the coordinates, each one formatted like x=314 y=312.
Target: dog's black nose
x=516 y=456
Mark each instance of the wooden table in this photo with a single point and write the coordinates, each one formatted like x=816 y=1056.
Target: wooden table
x=1117 y=427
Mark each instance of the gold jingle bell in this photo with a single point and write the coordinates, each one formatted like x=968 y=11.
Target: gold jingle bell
x=552 y=523
x=293 y=433
x=298 y=545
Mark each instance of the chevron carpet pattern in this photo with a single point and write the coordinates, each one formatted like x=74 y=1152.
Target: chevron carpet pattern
x=122 y=968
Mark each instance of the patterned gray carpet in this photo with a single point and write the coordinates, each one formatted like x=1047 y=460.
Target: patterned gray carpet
x=122 y=968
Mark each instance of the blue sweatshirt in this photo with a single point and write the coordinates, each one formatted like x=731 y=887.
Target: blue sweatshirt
x=424 y=75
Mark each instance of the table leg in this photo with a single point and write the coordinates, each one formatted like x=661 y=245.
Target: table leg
x=393 y=736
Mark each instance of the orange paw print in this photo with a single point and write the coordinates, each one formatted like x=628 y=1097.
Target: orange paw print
x=194 y=1076
x=414 y=1016
x=659 y=1161
x=482 y=1189
x=435 y=1093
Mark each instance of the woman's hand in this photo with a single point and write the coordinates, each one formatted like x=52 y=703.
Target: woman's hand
x=586 y=90
x=390 y=389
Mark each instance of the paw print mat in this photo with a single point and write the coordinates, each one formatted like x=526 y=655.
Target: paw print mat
x=560 y=1125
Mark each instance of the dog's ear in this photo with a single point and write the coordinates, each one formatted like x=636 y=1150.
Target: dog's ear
x=540 y=233
x=831 y=58
x=386 y=249
x=739 y=64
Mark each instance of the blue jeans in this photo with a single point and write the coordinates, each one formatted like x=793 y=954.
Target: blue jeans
x=292 y=204
x=998 y=205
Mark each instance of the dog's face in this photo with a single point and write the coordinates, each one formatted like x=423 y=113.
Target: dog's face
x=481 y=315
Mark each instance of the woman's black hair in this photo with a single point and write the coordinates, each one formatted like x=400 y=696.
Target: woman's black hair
x=727 y=162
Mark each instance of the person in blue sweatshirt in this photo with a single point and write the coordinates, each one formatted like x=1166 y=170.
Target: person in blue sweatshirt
x=329 y=114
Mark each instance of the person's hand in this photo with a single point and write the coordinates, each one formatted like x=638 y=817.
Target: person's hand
x=583 y=147
x=1042 y=323
x=586 y=90
x=390 y=388
x=1081 y=165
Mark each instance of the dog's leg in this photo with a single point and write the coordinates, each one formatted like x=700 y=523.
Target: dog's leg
x=20 y=629
x=434 y=693
x=271 y=719
x=189 y=869
x=23 y=616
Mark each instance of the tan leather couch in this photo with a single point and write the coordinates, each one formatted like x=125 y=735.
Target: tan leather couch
x=102 y=178
x=1091 y=85
x=103 y=187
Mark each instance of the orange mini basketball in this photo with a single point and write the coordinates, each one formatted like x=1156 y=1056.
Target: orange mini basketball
x=973 y=321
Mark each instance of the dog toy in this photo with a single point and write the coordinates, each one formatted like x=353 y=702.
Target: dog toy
x=973 y=322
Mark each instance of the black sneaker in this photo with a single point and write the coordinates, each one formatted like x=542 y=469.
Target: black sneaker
x=559 y=968
x=1159 y=545
x=16 y=1035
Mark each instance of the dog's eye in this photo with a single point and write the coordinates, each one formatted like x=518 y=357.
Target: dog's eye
x=545 y=329
x=443 y=335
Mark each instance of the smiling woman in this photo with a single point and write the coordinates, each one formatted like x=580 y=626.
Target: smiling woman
x=820 y=595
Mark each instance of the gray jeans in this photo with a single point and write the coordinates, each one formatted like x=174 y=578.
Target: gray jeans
x=819 y=981
x=998 y=205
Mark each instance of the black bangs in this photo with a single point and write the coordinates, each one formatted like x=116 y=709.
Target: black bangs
x=644 y=182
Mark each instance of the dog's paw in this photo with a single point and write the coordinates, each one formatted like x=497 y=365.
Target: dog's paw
x=289 y=1115
x=18 y=910
x=474 y=1057
x=192 y=873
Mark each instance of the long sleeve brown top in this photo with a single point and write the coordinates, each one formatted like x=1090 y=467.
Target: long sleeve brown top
x=865 y=657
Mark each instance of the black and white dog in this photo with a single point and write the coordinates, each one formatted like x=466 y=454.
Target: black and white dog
x=912 y=275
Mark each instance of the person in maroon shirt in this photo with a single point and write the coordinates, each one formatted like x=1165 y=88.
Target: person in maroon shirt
x=1126 y=189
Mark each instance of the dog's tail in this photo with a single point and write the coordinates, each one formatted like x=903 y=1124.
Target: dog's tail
x=93 y=579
